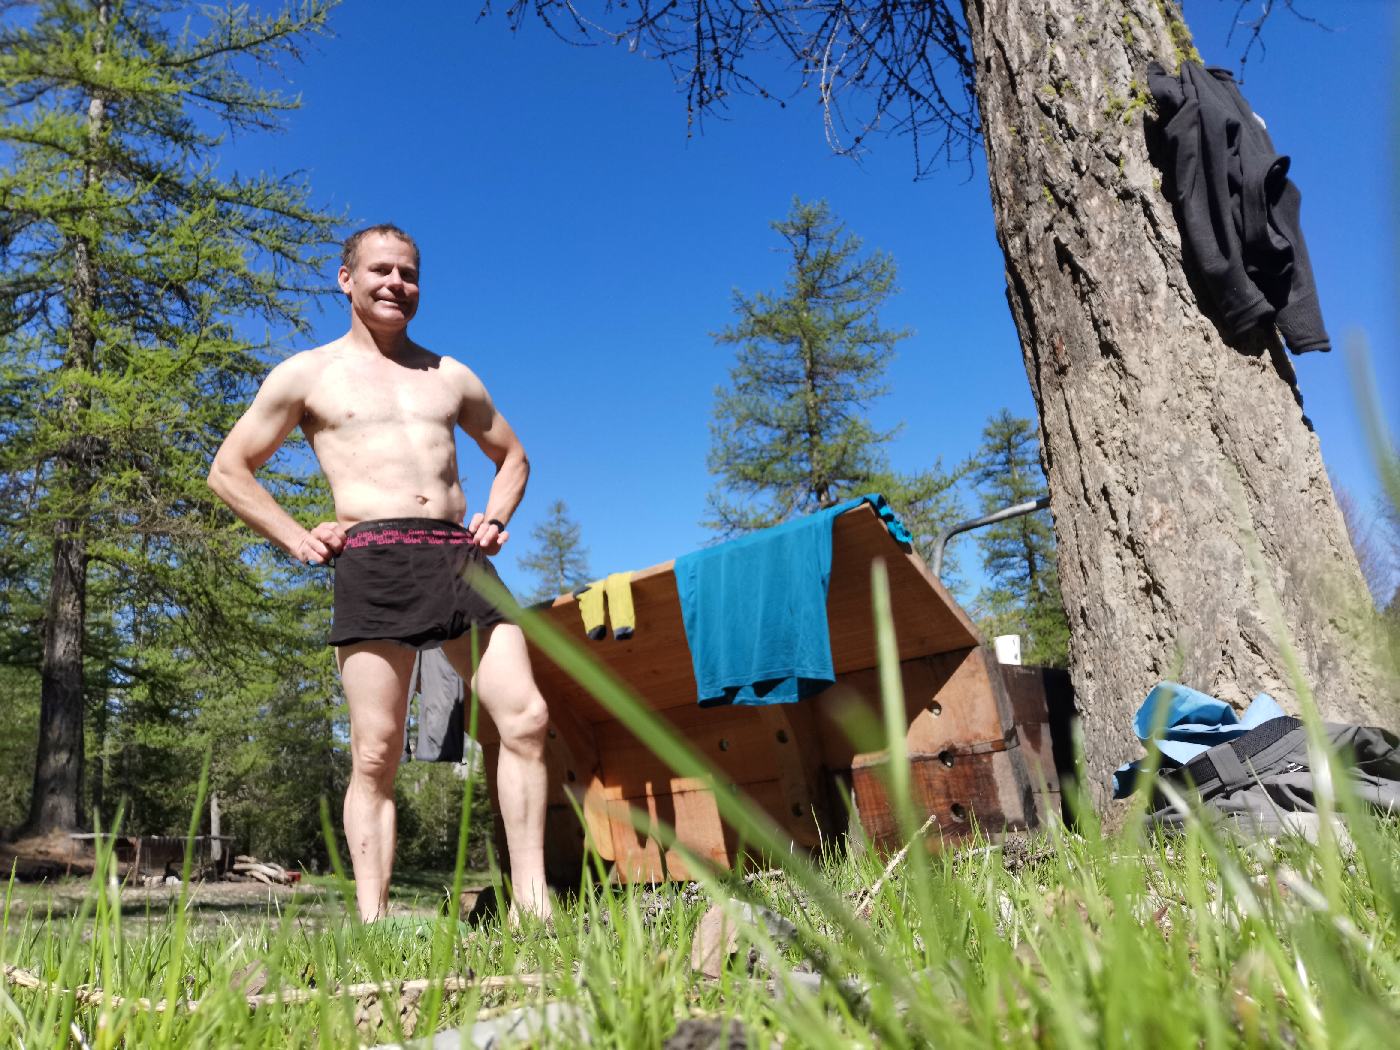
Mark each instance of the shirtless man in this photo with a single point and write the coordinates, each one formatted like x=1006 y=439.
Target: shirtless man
x=381 y=412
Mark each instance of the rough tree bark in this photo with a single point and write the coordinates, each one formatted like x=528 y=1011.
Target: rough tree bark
x=58 y=765
x=1187 y=486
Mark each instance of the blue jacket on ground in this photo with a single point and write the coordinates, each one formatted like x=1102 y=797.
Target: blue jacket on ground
x=1191 y=723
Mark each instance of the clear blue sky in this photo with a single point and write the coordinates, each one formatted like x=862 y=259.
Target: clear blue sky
x=579 y=246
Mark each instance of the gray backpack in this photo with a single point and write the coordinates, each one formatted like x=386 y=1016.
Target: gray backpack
x=1262 y=780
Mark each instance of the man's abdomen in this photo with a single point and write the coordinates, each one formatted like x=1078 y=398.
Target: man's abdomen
x=399 y=472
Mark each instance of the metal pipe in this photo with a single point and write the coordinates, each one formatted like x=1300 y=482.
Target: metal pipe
x=976 y=523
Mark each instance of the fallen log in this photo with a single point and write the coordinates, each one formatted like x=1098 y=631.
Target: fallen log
x=264 y=871
x=271 y=870
x=86 y=995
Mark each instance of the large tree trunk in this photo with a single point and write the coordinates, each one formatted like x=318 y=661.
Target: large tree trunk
x=1199 y=539
x=58 y=765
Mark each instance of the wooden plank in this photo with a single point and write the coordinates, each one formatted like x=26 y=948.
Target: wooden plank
x=1049 y=806
x=696 y=817
x=1040 y=762
x=1042 y=702
x=948 y=698
x=947 y=701
x=801 y=775
x=967 y=688
x=1026 y=688
x=926 y=619
x=654 y=662
x=958 y=789
x=737 y=740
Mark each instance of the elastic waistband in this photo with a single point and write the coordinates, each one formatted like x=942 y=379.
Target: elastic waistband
x=405 y=523
x=380 y=532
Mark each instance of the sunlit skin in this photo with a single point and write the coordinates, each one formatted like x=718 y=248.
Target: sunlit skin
x=381 y=414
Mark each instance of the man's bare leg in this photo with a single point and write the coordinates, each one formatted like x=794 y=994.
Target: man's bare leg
x=508 y=692
x=375 y=678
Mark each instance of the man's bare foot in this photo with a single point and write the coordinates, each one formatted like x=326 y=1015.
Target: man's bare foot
x=533 y=903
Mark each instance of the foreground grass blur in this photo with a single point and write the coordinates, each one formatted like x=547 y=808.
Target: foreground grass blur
x=1057 y=939
x=1080 y=939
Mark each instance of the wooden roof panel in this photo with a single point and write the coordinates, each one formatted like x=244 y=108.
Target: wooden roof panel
x=656 y=661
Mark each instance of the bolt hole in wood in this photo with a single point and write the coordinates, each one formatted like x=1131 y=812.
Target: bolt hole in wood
x=959 y=813
x=723 y=744
x=936 y=708
x=570 y=774
x=946 y=757
x=796 y=810
x=552 y=734
x=782 y=736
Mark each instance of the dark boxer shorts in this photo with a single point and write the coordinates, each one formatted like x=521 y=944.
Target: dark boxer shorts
x=409 y=580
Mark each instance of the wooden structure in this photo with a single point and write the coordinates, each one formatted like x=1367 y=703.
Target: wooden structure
x=1042 y=707
x=796 y=761
x=140 y=853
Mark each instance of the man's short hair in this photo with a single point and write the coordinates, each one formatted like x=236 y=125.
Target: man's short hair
x=350 y=251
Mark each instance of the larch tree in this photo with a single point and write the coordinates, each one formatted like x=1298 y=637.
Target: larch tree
x=558 y=560
x=1198 y=535
x=791 y=432
x=137 y=278
x=1018 y=554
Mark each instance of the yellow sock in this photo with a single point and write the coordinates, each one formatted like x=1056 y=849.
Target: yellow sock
x=590 y=605
x=624 y=618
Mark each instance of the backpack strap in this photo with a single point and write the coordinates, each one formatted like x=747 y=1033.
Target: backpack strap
x=1227 y=763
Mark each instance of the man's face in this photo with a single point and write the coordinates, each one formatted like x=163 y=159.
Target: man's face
x=383 y=287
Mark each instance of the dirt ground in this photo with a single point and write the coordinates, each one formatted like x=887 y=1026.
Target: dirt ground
x=52 y=877
x=52 y=873
x=208 y=900
x=50 y=891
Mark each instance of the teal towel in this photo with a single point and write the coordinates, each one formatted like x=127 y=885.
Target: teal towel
x=754 y=610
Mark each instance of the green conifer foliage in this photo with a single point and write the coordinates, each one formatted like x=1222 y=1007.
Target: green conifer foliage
x=791 y=433
x=137 y=280
x=1019 y=554
x=558 y=559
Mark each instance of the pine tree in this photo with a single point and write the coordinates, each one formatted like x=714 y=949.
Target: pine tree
x=927 y=503
x=1019 y=554
x=133 y=272
x=790 y=433
x=558 y=559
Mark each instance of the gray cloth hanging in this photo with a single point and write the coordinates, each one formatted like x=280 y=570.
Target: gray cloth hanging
x=441 y=710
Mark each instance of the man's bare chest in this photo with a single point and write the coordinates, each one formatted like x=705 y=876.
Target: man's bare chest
x=354 y=396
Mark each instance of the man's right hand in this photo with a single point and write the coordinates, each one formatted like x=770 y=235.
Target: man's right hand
x=321 y=544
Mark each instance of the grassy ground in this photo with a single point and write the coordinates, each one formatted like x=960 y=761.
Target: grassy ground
x=1056 y=940
x=314 y=899
x=1062 y=940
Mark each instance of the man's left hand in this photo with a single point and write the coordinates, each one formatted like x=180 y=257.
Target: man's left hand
x=490 y=537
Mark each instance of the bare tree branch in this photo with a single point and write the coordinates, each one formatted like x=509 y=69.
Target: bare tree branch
x=896 y=66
